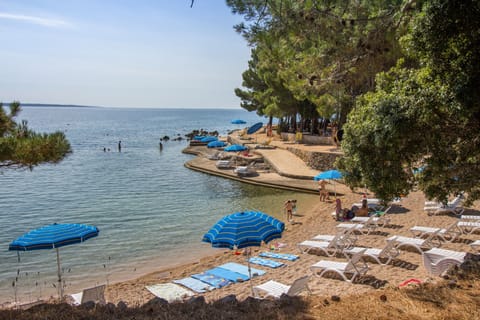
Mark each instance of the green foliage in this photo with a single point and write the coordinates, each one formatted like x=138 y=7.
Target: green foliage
x=322 y=53
x=423 y=115
x=21 y=147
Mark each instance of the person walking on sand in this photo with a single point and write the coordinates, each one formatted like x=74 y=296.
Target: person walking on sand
x=119 y=146
x=288 y=210
x=294 y=207
x=324 y=195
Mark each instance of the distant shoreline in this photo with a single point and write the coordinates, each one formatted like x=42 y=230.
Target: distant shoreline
x=55 y=105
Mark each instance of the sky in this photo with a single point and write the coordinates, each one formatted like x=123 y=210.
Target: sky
x=121 y=53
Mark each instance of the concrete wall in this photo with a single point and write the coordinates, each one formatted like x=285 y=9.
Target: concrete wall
x=307 y=139
x=316 y=160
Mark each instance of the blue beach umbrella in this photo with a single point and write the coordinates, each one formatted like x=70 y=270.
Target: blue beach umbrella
x=54 y=236
x=329 y=175
x=208 y=139
x=238 y=121
x=216 y=144
x=244 y=229
x=257 y=126
x=235 y=148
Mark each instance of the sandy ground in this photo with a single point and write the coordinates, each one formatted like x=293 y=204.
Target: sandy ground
x=310 y=222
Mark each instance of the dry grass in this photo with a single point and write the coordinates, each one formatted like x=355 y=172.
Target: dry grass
x=457 y=297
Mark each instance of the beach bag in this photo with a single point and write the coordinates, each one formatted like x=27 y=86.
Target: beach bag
x=350 y=215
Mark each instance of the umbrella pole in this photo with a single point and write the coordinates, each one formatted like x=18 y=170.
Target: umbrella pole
x=59 y=271
x=250 y=271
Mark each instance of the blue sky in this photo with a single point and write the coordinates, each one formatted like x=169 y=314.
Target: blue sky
x=121 y=53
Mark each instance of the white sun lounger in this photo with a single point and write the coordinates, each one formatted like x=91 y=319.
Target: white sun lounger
x=388 y=253
x=95 y=294
x=330 y=248
x=469 y=226
x=276 y=289
x=437 y=261
x=359 y=227
x=379 y=221
x=416 y=243
x=455 y=207
x=448 y=234
x=347 y=270
x=347 y=237
x=475 y=245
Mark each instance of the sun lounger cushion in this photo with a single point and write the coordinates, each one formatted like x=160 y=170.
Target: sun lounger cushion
x=242 y=269
x=194 y=284
x=211 y=279
x=266 y=262
x=283 y=256
x=169 y=291
x=227 y=274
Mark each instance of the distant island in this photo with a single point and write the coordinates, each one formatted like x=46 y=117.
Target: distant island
x=55 y=105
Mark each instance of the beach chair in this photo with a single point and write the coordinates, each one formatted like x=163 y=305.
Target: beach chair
x=475 y=245
x=469 y=226
x=276 y=289
x=388 y=253
x=358 y=227
x=464 y=217
x=448 y=234
x=95 y=294
x=417 y=243
x=225 y=164
x=347 y=270
x=346 y=236
x=330 y=248
x=437 y=261
x=380 y=219
x=455 y=207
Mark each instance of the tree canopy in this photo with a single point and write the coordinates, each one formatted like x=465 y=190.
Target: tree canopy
x=421 y=125
x=401 y=75
x=21 y=147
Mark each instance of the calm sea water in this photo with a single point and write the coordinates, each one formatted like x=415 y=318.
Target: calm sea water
x=150 y=209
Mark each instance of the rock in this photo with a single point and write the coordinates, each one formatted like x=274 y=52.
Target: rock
x=156 y=302
x=228 y=299
x=383 y=298
x=196 y=300
x=89 y=305
x=335 y=298
x=122 y=306
x=110 y=307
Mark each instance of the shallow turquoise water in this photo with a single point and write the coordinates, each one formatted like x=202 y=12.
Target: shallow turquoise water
x=150 y=209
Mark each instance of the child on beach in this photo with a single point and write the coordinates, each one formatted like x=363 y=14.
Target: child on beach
x=288 y=210
x=294 y=207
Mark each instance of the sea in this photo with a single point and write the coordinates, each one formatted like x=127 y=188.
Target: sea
x=150 y=209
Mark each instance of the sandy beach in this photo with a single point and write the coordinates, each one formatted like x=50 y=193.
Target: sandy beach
x=312 y=220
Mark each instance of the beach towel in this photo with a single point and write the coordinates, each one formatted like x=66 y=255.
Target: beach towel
x=169 y=291
x=284 y=256
x=266 y=262
x=211 y=279
x=242 y=269
x=227 y=274
x=194 y=284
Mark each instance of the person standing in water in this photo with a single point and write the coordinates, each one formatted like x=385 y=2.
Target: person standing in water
x=119 y=146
